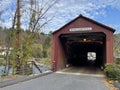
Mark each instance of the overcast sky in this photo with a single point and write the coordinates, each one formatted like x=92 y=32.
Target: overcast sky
x=103 y=11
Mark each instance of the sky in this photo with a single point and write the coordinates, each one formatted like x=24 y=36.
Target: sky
x=103 y=11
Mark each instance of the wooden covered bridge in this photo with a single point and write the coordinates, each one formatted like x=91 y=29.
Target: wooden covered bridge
x=80 y=42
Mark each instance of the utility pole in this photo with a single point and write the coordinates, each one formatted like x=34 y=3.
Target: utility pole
x=18 y=36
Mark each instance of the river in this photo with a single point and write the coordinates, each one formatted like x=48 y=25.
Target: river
x=34 y=70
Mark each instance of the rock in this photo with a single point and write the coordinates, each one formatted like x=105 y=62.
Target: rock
x=117 y=84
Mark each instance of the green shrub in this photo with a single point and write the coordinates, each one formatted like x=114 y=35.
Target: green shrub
x=1 y=56
x=117 y=60
x=112 y=71
x=45 y=54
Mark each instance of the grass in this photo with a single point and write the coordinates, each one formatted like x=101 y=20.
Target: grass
x=1 y=56
x=2 y=61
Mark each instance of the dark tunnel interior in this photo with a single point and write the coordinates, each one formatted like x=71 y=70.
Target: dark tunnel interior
x=84 y=49
x=80 y=54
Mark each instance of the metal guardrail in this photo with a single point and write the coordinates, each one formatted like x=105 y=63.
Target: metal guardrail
x=25 y=71
x=22 y=73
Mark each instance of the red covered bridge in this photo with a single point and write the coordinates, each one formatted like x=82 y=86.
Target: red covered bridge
x=81 y=42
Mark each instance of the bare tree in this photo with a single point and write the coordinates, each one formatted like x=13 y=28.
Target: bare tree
x=38 y=11
x=18 y=35
x=117 y=45
x=9 y=38
x=9 y=43
x=35 y=12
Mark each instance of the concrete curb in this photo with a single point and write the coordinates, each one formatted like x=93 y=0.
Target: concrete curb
x=92 y=75
x=15 y=81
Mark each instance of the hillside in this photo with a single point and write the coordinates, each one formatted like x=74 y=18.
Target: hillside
x=117 y=45
x=43 y=41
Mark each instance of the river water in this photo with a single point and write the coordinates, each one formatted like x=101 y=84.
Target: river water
x=34 y=70
x=2 y=69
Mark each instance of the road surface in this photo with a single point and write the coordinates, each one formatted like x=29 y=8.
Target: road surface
x=57 y=81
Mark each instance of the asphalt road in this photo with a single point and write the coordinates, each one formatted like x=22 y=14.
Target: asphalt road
x=57 y=81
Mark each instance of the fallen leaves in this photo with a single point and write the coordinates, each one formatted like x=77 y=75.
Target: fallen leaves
x=110 y=84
